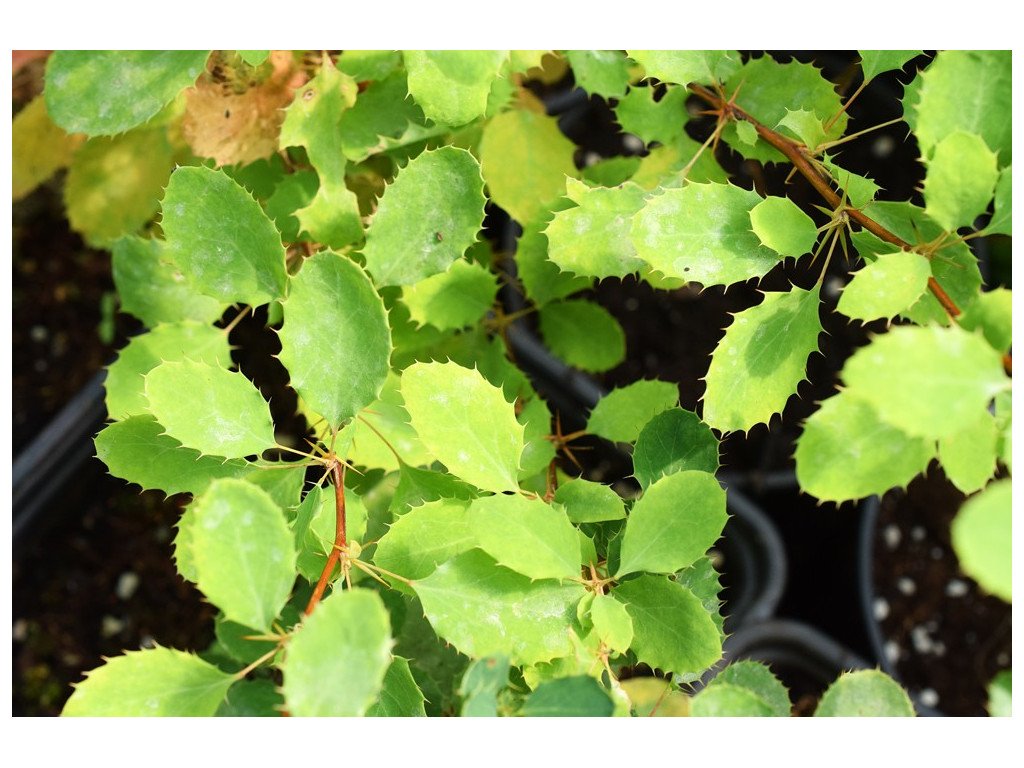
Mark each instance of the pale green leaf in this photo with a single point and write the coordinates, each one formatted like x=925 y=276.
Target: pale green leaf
x=113 y=184
x=313 y=121
x=482 y=608
x=452 y=86
x=543 y=280
x=761 y=360
x=586 y=501
x=539 y=452
x=673 y=441
x=847 y=452
x=426 y=219
x=244 y=553
x=137 y=450
x=452 y=299
x=885 y=287
x=525 y=160
x=1002 y=219
x=293 y=192
x=210 y=409
x=934 y=108
x=1000 y=695
x=346 y=641
x=653 y=121
x=219 y=237
x=165 y=343
x=282 y=480
x=1004 y=425
x=316 y=545
x=369 y=65
x=928 y=381
x=873 y=63
x=611 y=622
x=399 y=695
x=992 y=311
x=593 y=238
x=803 y=125
x=527 y=535
x=859 y=190
x=483 y=681
x=677 y=164
x=381 y=430
x=338 y=357
x=672 y=631
x=701 y=233
x=155 y=682
x=605 y=73
x=417 y=486
x=381 y=115
x=655 y=697
x=677 y=520
x=102 y=93
x=960 y=180
x=982 y=541
x=425 y=536
x=742 y=689
x=466 y=422
x=253 y=58
x=968 y=457
x=783 y=227
x=865 y=693
x=152 y=289
x=583 y=334
x=622 y=413
x=683 y=67
x=576 y=696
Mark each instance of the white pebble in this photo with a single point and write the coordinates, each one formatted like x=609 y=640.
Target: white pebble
x=881 y=607
x=917 y=533
x=956 y=588
x=892 y=536
x=922 y=640
x=127 y=583
x=892 y=651
x=906 y=586
x=929 y=697
x=111 y=626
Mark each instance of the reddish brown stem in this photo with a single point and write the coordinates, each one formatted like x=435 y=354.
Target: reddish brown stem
x=795 y=154
x=340 y=541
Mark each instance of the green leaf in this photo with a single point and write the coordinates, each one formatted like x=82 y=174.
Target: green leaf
x=338 y=659
x=156 y=682
x=481 y=684
x=672 y=631
x=583 y=334
x=152 y=289
x=981 y=539
x=1004 y=425
x=873 y=63
x=137 y=450
x=768 y=90
x=742 y=689
x=385 y=419
x=611 y=622
x=252 y=698
x=969 y=456
x=113 y=184
x=525 y=160
x=803 y=125
x=859 y=190
x=701 y=233
x=673 y=441
x=683 y=67
x=482 y=608
x=294 y=192
x=539 y=452
x=102 y=93
x=885 y=287
x=417 y=486
x=318 y=541
x=453 y=299
x=622 y=413
x=653 y=121
x=992 y=311
x=1000 y=695
x=323 y=339
x=783 y=227
x=960 y=180
x=934 y=111
x=243 y=551
x=165 y=343
x=465 y=422
x=313 y=121
x=927 y=381
x=847 y=452
x=865 y=693
x=426 y=219
x=223 y=415
x=593 y=238
x=541 y=277
x=220 y=239
x=605 y=73
x=452 y=86
x=369 y=65
x=527 y=535
x=576 y=696
x=677 y=520
x=762 y=359
x=655 y=697
x=399 y=695
x=283 y=480
x=381 y=114
x=425 y=536
x=1002 y=219
x=586 y=501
